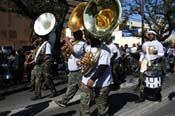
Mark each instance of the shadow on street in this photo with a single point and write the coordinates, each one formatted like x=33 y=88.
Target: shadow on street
x=4 y=113
x=31 y=110
x=117 y=102
x=171 y=96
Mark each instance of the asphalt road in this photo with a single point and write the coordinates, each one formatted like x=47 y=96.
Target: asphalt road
x=122 y=103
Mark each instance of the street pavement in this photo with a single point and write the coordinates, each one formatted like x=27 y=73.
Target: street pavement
x=18 y=102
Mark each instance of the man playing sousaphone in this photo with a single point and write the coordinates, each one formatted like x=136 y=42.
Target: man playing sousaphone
x=43 y=58
x=151 y=69
x=97 y=76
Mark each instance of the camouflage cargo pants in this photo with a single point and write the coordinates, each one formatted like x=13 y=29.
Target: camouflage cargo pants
x=42 y=73
x=47 y=76
x=101 y=98
x=36 y=79
x=74 y=81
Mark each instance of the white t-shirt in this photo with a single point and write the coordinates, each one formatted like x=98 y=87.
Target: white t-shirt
x=133 y=49
x=104 y=59
x=45 y=48
x=48 y=48
x=156 y=45
x=127 y=51
x=79 y=50
x=113 y=48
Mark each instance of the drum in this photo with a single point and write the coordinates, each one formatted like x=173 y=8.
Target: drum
x=152 y=79
x=153 y=83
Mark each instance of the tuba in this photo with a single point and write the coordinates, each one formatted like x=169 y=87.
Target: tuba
x=74 y=24
x=43 y=26
x=99 y=18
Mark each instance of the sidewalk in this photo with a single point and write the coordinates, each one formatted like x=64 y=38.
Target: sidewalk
x=26 y=85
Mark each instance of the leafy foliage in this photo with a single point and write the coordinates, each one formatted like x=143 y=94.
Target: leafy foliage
x=33 y=8
x=158 y=14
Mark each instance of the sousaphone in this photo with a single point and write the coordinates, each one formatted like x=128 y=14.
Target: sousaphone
x=98 y=17
x=44 y=25
x=101 y=17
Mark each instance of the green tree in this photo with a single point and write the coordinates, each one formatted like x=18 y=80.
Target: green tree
x=158 y=14
x=33 y=8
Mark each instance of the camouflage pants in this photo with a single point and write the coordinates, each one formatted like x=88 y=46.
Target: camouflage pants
x=36 y=79
x=101 y=98
x=42 y=73
x=74 y=81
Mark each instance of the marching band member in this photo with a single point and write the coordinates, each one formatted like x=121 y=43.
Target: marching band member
x=115 y=54
x=95 y=82
x=150 y=59
x=76 y=49
x=42 y=70
x=30 y=62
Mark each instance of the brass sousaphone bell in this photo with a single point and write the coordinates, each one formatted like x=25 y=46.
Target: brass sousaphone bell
x=43 y=26
x=99 y=18
x=76 y=18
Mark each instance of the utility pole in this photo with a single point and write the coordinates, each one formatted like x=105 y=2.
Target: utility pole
x=142 y=13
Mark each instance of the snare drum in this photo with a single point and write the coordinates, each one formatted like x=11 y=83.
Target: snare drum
x=153 y=82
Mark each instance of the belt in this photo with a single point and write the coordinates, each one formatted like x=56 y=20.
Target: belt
x=75 y=70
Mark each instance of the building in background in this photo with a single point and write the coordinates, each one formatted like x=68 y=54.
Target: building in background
x=15 y=30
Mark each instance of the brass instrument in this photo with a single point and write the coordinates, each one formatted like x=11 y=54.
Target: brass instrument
x=44 y=25
x=87 y=62
x=36 y=44
x=66 y=50
x=76 y=18
x=99 y=18
x=75 y=23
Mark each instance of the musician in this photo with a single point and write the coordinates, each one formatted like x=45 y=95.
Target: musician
x=43 y=69
x=30 y=62
x=115 y=54
x=96 y=82
x=150 y=59
x=113 y=48
x=171 y=57
x=76 y=47
x=171 y=96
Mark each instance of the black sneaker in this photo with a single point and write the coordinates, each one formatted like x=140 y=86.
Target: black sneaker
x=61 y=103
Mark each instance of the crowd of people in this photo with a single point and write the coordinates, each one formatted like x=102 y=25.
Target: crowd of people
x=94 y=66
x=95 y=83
